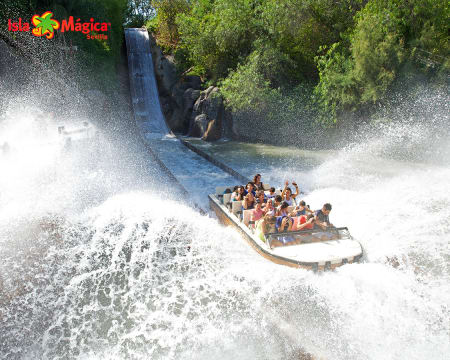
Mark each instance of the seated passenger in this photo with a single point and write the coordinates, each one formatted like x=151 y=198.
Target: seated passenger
x=261 y=197
x=283 y=223
x=277 y=201
x=269 y=209
x=257 y=182
x=257 y=212
x=271 y=193
x=301 y=209
x=287 y=194
x=250 y=188
x=282 y=210
x=235 y=190
x=249 y=201
x=239 y=194
x=321 y=217
x=264 y=226
x=305 y=222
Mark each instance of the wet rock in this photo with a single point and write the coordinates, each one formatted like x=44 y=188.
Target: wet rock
x=209 y=106
x=165 y=70
x=214 y=131
x=188 y=103
x=199 y=126
x=195 y=94
x=193 y=81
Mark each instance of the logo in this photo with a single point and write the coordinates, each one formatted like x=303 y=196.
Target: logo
x=45 y=25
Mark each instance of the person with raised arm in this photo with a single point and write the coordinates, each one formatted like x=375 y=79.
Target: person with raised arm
x=287 y=194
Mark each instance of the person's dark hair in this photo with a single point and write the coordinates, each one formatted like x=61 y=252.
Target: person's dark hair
x=284 y=205
x=327 y=206
x=227 y=191
x=235 y=188
x=289 y=189
x=255 y=177
x=302 y=203
x=278 y=198
x=251 y=183
x=272 y=189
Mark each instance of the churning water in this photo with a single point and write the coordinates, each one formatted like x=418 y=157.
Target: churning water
x=95 y=267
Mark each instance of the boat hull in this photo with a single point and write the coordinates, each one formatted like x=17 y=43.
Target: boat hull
x=226 y=218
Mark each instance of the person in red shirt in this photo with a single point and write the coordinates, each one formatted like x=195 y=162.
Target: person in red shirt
x=306 y=222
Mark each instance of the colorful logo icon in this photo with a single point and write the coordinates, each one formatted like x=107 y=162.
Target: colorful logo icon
x=45 y=25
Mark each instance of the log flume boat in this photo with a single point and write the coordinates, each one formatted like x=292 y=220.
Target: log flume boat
x=315 y=250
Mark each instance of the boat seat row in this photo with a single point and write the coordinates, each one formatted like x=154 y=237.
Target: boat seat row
x=221 y=189
x=226 y=198
x=247 y=214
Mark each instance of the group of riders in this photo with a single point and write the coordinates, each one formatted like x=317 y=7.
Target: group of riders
x=282 y=213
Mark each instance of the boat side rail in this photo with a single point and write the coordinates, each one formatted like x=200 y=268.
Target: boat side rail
x=308 y=236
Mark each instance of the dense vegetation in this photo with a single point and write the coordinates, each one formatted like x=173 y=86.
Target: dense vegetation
x=291 y=62
x=305 y=61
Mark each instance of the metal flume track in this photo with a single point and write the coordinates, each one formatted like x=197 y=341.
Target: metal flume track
x=144 y=92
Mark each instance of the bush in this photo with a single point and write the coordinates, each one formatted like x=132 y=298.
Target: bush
x=260 y=110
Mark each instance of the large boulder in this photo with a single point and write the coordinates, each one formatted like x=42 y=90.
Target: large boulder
x=193 y=81
x=189 y=98
x=214 y=131
x=199 y=126
x=186 y=108
x=178 y=113
x=208 y=107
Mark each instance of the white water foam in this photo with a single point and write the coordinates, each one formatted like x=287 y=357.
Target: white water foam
x=96 y=271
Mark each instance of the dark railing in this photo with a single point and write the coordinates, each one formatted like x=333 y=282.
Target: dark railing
x=336 y=233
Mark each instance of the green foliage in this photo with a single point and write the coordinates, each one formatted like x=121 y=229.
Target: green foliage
x=270 y=54
x=138 y=12
x=301 y=27
x=219 y=34
x=249 y=92
x=166 y=26
x=358 y=71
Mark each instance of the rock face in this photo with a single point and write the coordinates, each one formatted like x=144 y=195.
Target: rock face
x=208 y=115
x=177 y=95
x=188 y=109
